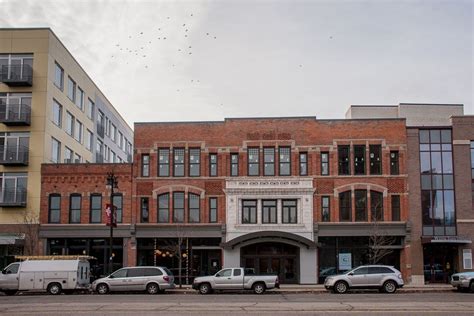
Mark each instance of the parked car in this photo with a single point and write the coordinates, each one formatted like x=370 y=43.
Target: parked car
x=53 y=276
x=236 y=279
x=463 y=281
x=150 y=279
x=384 y=278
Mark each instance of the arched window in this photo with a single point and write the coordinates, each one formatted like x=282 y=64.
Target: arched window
x=194 y=208
x=178 y=207
x=75 y=208
x=345 y=206
x=54 y=210
x=376 y=206
x=164 y=208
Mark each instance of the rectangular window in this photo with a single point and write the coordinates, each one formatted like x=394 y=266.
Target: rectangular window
x=13 y=187
x=163 y=162
x=145 y=165
x=249 y=211
x=303 y=164
x=194 y=162
x=144 y=210
x=178 y=207
x=289 y=212
x=269 y=161
x=99 y=155
x=375 y=152
x=90 y=109
x=359 y=159
x=394 y=166
x=57 y=113
x=69 y=123
x=75 y=209
x=213 y=165
x=253 y=162
x=194 y=208
x=345 y=206
x=212 y=210
x=324 y=163
x=54 y=216
x=77 y=158
x=100 y=123
x=120 y=140
x=285 y=161
x=55 y=150
x=79 y=131
x=325 y=210
x=164 y=208
x=67 y=155
x=113 y=132
x=118 y=203
x=58 y=76
x=80 y=98
x=395 y=207
x=269 y=211
x=89 y=140
x=71 y=89
x=376 y=206
x=234 y=165
x=343 y=154
x=178 y=162
x=360 y=205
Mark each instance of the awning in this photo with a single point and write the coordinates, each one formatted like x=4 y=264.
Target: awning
x=446 y=240
x=11 y=239
x=270 y=236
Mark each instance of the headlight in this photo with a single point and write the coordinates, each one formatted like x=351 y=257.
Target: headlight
x=462 y=277
x=399 y=276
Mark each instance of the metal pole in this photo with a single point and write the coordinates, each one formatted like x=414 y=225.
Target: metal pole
x=111 y=180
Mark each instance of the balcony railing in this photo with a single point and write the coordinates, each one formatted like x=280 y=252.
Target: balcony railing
x=17 y=75
x=14 y=156
x=13 y=197
x=15 y=114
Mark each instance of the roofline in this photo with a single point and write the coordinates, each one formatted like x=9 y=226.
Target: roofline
x=372 y=105
x=439 y=104
x=46 y=28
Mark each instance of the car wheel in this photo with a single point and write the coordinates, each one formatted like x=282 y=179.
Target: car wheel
x=341 y=287
x=152 y=288
x=389 y=287
x=259 y=288
x=102 y=288
x=205 y=288
x=54 y=288
x=9 y=292
x=471 y=286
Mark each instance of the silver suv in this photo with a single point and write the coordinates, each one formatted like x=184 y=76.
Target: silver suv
x=385 y=278
x=150 y=279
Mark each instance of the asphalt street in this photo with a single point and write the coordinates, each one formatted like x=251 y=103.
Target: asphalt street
x=452 y=303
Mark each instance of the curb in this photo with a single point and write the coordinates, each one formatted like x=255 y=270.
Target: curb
x=320 y=291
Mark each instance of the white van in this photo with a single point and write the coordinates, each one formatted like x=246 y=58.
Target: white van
x=53 y=276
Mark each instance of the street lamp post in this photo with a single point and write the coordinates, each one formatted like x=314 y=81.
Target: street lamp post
x=112 y=183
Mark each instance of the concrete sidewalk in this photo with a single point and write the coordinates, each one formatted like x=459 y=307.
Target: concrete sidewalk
x=319 y=288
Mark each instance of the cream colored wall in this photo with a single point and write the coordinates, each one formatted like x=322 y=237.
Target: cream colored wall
x=36 y=42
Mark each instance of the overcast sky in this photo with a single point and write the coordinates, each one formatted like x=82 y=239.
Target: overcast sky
x=206 y=60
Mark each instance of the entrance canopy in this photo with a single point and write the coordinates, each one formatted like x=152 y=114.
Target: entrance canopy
x=446 y=240
x=269 y=236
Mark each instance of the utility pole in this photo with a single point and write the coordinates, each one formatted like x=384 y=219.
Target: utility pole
x=112 y=182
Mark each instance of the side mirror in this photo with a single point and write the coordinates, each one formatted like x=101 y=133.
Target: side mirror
x=218 y=275
x=111 y=276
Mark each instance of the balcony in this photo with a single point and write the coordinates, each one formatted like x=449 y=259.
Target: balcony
x=14 y=156
x=13 y=197
x=17 y=75
x=15 y=114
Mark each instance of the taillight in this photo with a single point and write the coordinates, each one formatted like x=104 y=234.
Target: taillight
x=166 y=278
x=277 y=281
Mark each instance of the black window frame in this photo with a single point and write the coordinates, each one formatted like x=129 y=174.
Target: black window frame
x=234 y=173
x=257 y=163
x=165 y=209
x=325 y=163
x=213 y=165
x=303 y=171
x=360 y=204
x=344 y=160
x=271 y=164
x=286 y=163
x=376 y=214
x=145 y=171
x=162 y=164
x=271 y=209
x=175 y=209
x=249 y=209
x=345 y=196
x=213 y=210
x=61 y=84
x=359 y=160
x=118 y=206
x=325 y=210
x=289 y=209
x=375 y=155
x=72 y=211
x=394 y=162
x=182 y=164
x=396 y=207
x=191 y=209
x=92 y=209
x=192 y=153
x=144 y=209
x=50 y=209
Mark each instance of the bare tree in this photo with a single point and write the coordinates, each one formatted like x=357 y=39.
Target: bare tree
x=380 y=243
x=174 y=248
x=28 y=229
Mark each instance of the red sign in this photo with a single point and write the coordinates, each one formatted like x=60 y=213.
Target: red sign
x=111 y=216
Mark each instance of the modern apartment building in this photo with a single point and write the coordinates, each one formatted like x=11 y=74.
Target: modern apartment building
x=50 y=111
x=295 y=196
x=441 y=171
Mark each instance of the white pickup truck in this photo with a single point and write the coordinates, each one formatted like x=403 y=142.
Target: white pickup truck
x=236 y=279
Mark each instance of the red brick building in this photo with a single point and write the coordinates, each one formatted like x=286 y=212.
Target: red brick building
x=299 y=197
